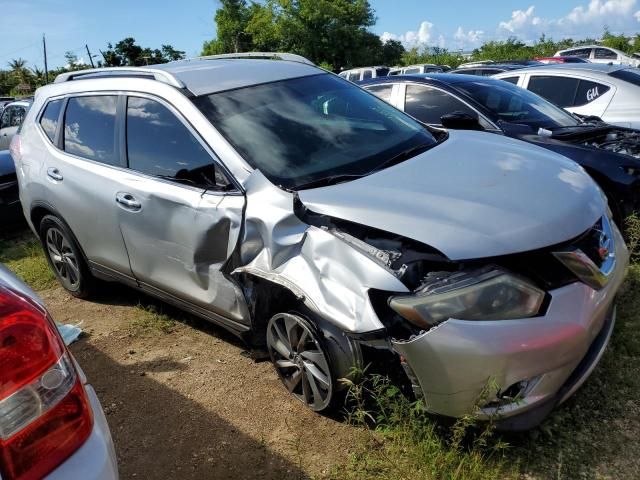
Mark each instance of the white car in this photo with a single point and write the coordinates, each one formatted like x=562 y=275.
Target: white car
x=610 y=92
x=364 y=73
x=600 y=54
x=414 y=69
x=12 y=116
x=51 y=422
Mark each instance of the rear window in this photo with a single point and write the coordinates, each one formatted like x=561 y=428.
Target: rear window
x=628 y=75
x=89 y=128
x=49 y=119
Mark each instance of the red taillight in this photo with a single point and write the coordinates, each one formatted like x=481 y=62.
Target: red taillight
x=44 y=411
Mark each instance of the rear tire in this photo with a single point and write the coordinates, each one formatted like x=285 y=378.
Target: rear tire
x=65 y=257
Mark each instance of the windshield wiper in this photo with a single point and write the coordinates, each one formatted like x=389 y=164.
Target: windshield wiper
x=330 y=180
x=340 y=178
x=405 y=155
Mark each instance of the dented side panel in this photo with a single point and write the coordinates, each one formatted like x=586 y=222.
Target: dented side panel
x=330 y=275
x=179 y=241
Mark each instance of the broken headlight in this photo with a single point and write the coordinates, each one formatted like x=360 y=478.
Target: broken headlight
x=486 y=294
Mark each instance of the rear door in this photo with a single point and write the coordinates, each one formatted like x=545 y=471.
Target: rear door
x=82 y=170
x=179 y=212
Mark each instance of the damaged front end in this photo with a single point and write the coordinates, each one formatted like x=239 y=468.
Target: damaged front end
x=621 y=141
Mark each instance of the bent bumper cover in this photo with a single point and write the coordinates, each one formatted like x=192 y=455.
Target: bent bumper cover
x=455 y=362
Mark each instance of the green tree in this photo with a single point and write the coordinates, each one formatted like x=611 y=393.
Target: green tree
x=128 y=53
x=392 y=52
x=231 y=23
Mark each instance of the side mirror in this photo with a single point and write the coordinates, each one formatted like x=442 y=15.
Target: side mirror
x=460 y=121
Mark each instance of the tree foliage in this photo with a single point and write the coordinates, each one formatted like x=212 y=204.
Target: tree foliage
x=330 y=32
x=127 y=53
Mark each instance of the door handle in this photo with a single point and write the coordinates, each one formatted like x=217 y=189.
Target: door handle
x=128 y=201
x=54 y=174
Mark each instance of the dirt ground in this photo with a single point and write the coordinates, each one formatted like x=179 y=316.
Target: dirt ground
x=186 y=403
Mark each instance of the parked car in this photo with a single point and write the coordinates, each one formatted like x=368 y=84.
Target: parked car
x=309 y=217
x=51 y=422
x=364 y=73
x=10 y=209
x=486 y=70
x=412 y=69
x=560 y=59
x=12 y=116
x=610 y=92
x=600 y=54
x=611 y=155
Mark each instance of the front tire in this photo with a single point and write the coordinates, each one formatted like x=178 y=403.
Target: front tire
x=302 y=361
x=65 y=257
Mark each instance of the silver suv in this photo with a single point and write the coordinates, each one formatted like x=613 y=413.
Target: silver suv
x=311 y=218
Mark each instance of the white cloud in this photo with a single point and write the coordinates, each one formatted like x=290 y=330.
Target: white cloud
x=585 y=20
x=468 y=40
x=423 y=36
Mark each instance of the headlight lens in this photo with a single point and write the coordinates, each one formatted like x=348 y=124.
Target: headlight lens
x=485 y=294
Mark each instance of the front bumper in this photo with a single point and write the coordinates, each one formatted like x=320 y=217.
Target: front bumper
x=460 y=365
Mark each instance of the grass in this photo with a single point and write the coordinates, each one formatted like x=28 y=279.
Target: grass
x=407 y=444
x=150 y=317
x=25 y=257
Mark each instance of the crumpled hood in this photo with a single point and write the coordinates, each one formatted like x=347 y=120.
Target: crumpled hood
x=476 y=195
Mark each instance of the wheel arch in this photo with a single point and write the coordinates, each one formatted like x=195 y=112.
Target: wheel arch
x=267 y=296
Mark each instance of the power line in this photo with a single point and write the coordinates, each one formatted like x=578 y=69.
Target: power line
x=8 y=54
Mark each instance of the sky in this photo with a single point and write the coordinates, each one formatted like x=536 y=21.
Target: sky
x=454 y=24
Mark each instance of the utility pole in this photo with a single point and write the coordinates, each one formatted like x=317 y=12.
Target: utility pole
x=46 y=69
x=90 y=57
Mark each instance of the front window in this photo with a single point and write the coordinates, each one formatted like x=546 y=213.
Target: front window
x=305 y=130
x=517 y=105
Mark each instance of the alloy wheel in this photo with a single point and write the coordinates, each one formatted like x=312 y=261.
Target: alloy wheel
x=63 y=258
x=300 y=360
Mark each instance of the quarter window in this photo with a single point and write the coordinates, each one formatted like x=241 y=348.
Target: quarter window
x=513 y=80
x=89 y=128
x=159 y=144
x=589 y=92
x=382 y=91
x=429 y=104
x=49 y=119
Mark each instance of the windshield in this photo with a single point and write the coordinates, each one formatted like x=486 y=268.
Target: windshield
x=517 y=105
x=302 y=130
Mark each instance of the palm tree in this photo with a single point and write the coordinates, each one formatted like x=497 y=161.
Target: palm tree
x=20 y=73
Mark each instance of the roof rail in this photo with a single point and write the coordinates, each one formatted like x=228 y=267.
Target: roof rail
x=290 y=57
x=159 y=75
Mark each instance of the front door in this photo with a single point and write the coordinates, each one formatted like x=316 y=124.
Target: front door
x=179 y=214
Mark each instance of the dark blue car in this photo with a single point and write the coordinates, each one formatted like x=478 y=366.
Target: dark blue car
x=609 y=153
x=10 y=210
